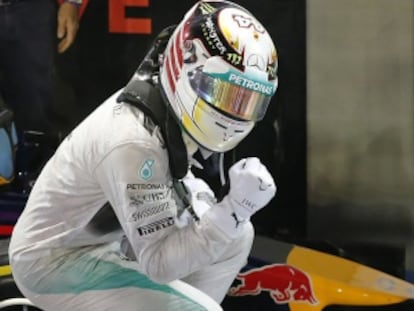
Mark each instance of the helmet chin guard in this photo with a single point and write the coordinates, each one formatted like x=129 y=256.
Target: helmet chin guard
x=219 y=73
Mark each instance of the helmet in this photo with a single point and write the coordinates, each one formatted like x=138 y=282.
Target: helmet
x=218 y=73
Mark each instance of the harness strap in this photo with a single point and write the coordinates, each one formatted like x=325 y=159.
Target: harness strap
x=147 y=98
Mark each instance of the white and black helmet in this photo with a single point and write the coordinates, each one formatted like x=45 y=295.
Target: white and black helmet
x=219 y=73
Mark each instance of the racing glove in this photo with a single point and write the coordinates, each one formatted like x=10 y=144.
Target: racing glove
x=251 y=188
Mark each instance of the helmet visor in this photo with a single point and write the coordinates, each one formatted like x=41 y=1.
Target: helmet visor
x=236 y=95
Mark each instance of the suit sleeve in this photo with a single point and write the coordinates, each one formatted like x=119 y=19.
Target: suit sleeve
x=136 y=180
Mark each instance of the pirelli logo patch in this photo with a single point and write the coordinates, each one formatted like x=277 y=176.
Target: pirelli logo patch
x=156 y=226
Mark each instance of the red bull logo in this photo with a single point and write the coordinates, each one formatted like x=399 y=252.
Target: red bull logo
x=283 y=282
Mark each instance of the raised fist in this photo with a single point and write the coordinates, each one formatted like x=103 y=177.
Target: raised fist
x=251 y=187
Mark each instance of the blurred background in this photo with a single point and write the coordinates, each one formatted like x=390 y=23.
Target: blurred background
x=339 y=135
x=360 y=122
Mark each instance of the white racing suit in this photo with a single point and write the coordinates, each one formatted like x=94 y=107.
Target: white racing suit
x=64 y=258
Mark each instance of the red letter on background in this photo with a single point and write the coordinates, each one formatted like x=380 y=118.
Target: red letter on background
x=118 y=23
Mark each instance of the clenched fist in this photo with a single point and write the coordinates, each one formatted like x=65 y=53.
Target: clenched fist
x=251 y=187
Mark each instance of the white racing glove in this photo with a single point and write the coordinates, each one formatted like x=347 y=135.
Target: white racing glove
x=251 y=188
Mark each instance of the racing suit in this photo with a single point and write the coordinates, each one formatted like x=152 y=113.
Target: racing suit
x=64 y=256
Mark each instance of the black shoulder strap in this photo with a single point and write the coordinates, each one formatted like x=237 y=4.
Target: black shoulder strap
x=148 y=99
